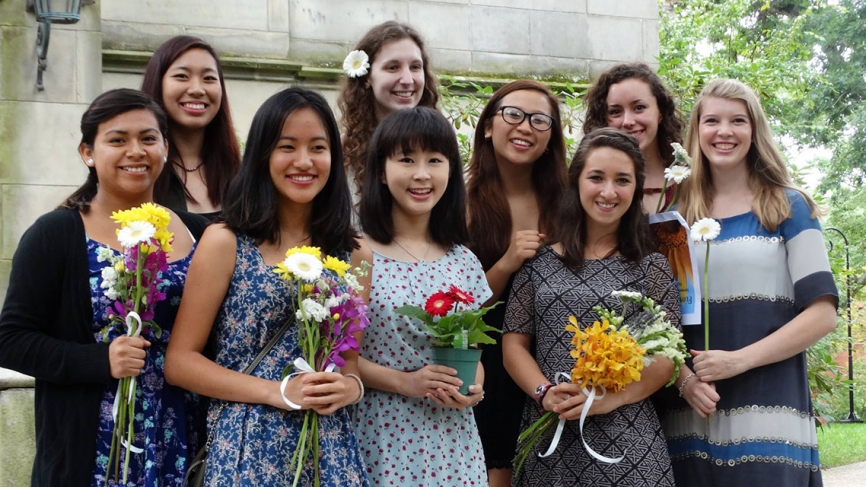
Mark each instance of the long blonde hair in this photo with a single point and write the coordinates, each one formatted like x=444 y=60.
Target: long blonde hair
x=768 y=174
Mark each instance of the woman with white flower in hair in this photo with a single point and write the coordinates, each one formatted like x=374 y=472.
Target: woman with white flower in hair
x=747 y=415
x=388 y=70
x=56 y=309
x=291 y=192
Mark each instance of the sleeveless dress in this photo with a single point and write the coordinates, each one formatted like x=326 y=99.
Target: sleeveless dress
x=544 y=294
x=763 y=432
x=253 y=443
x=411 y=442
x=165 y=414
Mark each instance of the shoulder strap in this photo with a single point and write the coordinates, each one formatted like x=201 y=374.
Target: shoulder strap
x=273 y=341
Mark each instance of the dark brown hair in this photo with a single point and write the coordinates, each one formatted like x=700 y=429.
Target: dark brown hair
x=490 y=223
x=407 y=130
x=671 y=125
x=633 y=239
x=220 y=149
x=358 y=103
x=105 y=107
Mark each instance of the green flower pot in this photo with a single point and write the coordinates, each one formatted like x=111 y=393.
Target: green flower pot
x=464 y=361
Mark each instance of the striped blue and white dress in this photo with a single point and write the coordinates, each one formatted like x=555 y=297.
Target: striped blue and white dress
x=764 y=431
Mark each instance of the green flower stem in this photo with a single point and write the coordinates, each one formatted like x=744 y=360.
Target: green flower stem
x=662 y=196
x=707 y=299
x=129 y=431
x=674 y=199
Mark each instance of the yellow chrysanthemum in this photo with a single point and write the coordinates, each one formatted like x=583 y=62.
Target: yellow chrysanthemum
x=314 y=251
x=336 y=265
x=612 y=359
x=165 y=238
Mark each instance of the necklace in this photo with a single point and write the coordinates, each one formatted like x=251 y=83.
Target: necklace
x=200 y=164
x=429 y=244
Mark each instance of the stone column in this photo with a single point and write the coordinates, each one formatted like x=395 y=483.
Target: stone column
x=39 y=166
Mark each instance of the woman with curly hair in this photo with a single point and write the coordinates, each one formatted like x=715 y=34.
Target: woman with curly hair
x=399 y=76
x=516 y=176
x=633 y=98
x=185 y=77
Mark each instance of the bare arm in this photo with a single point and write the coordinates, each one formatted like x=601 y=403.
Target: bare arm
x=524 y=245
x=207 y=282
x=817 y=320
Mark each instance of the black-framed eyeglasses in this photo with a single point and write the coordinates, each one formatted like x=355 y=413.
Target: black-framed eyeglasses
x=515 y=116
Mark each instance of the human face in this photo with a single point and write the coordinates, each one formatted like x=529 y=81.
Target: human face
x=521 y=143
x=300 y=164
x=191 y=90
x=416 y=180
x=606 y=187
x=397 y=76
x=725 y=132
x=128 y=154
x=632 y=107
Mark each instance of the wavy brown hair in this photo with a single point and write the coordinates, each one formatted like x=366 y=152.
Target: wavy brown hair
x=490 y=223
x=671 y=125
x=358 y=104
x=768 y=174
x=633 y=240
x=220 y=148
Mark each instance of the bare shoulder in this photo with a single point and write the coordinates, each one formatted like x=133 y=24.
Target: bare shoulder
x=364 y=252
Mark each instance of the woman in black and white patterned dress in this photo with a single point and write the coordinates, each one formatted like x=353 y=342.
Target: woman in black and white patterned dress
x=603 y=246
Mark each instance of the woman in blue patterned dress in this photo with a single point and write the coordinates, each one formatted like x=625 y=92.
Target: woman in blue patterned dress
x=56 y=309
x=415 y=428
x=771 y=296
x=291 y=191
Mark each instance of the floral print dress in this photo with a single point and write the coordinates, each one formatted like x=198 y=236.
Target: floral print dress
x=253 y=443
x=166 y=417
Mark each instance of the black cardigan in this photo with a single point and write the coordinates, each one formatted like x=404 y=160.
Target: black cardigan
x=46 y=332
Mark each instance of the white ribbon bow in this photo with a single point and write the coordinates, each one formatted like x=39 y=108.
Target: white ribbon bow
x=302 y=367
x=132 y=331
x=590 y=398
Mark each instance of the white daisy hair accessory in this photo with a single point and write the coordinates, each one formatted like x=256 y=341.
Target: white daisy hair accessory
x=705 y=229
x=356 y=64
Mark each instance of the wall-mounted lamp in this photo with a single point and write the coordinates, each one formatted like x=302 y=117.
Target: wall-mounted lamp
x=50 y=12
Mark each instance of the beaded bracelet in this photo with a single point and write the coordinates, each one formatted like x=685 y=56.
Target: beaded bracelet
x=686 y=381
x=360 y=384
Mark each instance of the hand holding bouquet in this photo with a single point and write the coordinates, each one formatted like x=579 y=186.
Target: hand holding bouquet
x=330 y=311
x=130 y=280
x=609 y=355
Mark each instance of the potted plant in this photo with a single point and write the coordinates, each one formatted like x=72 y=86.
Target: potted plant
x=454 y=336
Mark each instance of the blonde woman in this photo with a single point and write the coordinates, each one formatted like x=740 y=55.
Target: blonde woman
x=771 y=296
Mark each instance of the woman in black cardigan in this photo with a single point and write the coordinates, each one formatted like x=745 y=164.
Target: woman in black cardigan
x=54 y=307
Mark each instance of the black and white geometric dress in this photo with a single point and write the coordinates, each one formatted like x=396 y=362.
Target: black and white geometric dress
x=545 y=293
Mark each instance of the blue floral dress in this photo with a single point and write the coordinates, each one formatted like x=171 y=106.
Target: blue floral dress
x=165 y=415
x=253 y=443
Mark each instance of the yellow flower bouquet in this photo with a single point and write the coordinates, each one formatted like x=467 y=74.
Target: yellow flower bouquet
x=609 y=355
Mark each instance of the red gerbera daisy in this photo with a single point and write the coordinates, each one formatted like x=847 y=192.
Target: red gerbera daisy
x=439 y=304
x=460 y=296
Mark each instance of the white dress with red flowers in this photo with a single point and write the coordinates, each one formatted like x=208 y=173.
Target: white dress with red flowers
x=407 y=441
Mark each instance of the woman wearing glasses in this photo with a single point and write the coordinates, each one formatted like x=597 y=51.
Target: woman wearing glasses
x=516 y=176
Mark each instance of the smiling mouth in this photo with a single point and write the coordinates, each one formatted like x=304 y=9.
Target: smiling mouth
x=136 y=169
x=404 y=94
x=521 y=143
x=194 y=106
x=606 y=206
x=724 y=146
x=301 y=178
x=421 y=191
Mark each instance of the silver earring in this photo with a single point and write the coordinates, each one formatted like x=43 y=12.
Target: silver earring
x=90 y=162
x=164 y=159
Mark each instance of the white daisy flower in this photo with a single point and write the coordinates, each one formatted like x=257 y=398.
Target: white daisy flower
x=681 y=156
x=677 y=173
x=705 y=229
x=356 y=64
x=304 y=266
x=135 y=233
